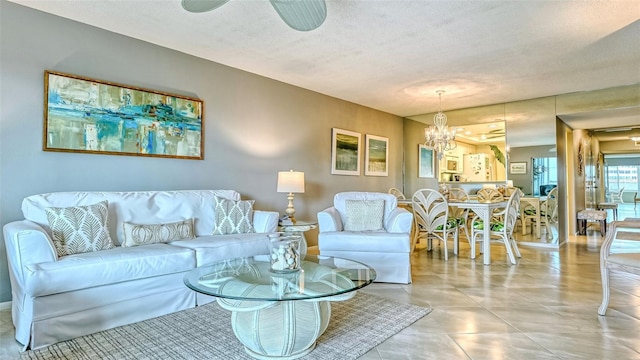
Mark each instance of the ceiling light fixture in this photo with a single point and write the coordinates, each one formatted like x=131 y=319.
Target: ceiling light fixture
x=439 y=137
x=635 y=138
x=301 y=15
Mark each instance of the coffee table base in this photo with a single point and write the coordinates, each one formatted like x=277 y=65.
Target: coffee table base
x=291 y=356
x=279 y=330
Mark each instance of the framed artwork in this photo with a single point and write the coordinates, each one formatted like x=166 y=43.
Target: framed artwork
x=345 y=152
x=426 y=162
x=518 y=168
x=376 y=156
x=91 y=116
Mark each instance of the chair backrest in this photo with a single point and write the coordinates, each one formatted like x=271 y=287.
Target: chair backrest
x=509 y=190
x=488 y=194
x=458 y=194
x=339 y=202
x=397 y=193
x=551 y=204
x=430 y=210
x=512 y=211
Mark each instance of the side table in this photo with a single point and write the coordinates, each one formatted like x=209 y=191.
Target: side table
x=299 y=228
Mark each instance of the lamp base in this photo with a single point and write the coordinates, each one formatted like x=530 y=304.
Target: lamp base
x=290 y=211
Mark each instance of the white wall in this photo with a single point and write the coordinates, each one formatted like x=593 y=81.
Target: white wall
x=253 y=126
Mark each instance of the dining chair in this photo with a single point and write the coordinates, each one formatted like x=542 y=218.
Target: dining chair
x=501 y=228
x=489 y=194
x=431 y=217
x=616 y=197
x=461 y=215
x=397 y=193
x=548 y=212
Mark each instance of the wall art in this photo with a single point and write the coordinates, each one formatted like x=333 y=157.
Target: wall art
x=376 y=156
x=345 y=152
x=518 y=168
x=91 y=116
x=426 y=162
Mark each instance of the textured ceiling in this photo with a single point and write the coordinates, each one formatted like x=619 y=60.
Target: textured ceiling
x=393 y=55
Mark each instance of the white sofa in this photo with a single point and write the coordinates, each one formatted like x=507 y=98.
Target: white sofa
x=58 y=298
x=387 y=249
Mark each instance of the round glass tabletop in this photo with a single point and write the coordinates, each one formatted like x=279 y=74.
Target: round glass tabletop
x=251 y=278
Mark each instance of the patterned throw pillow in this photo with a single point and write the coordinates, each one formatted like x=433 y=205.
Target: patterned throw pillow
x=139 y=234
x=80 y=229
x=364 y=215
x=233 y=217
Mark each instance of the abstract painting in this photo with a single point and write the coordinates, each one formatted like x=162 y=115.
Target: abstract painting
x=376 y=155
x=91 y=116
x=426 y=162
x=345 y=152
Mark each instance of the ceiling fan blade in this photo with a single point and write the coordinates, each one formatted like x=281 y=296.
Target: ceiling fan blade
x=302 y=15
x=198 y=6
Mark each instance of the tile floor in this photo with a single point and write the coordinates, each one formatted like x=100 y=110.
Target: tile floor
x=545 y=307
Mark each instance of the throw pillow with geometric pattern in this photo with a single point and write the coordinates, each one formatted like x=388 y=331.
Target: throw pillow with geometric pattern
x=233 y=217
x=364 y=215
x=139 y=234
x=80 y=229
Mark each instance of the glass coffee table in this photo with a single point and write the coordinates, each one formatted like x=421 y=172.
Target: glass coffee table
x=280 y=315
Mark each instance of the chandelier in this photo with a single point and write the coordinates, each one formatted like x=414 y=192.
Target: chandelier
x=440 y=137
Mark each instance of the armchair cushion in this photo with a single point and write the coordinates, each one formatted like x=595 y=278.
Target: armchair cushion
x=364 y=215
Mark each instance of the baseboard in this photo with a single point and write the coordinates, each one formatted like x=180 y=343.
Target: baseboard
x=5 y=305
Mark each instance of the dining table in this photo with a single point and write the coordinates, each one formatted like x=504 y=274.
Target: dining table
x=483 y=209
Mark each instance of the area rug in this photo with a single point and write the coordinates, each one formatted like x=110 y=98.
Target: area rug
x=357 y=325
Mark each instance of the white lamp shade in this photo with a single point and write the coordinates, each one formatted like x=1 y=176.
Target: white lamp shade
x=290 y=182
x=510 y=183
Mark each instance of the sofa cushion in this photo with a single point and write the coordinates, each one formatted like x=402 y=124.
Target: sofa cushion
x=213 y=248
x=112 y=266
x=138 y=207
x=79 y=229
x=143 y=234
x=364 y=215
x=233 y=217
x=377 y=241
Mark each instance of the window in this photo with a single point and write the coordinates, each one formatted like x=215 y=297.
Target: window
x=545 y=172
x=621 y=176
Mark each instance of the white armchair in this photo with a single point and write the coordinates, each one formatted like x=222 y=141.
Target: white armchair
x=621 y=258
x=370 y=228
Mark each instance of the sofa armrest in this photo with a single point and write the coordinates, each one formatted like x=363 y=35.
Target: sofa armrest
x=27 y=243
x=329 y=220
x=400 y=221
x=265 y=221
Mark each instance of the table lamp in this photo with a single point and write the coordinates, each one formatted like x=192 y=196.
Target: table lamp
x=290 y=182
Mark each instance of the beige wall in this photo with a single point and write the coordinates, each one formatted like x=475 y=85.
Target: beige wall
x=253 y=126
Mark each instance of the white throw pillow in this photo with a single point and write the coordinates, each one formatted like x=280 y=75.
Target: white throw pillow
x=80 y=229
x=143 y=234
x=233 y=217
x=364 y=215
